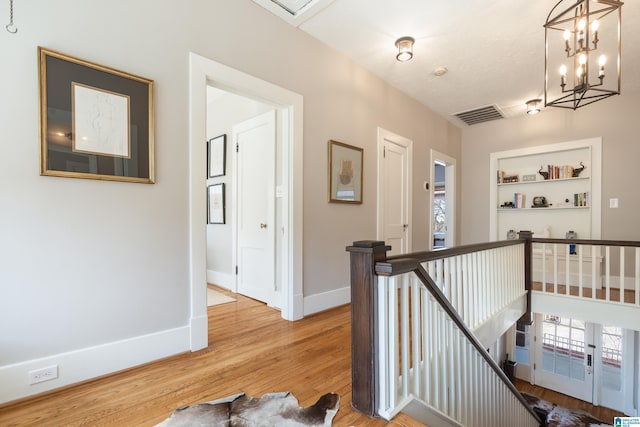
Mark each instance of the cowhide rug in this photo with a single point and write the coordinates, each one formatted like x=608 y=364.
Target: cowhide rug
x=557 y=416
x=270 y=410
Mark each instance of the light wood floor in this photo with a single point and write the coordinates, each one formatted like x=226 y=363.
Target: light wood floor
x=614 y=293
x=600 y=412
x=251 y=349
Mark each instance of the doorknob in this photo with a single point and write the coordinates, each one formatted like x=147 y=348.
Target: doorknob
x=263 y=225
x=405 y=226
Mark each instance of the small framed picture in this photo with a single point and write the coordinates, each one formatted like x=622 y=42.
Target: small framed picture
x=95 y=122
x=345 y=173
x=215 y=202
x=217 y=156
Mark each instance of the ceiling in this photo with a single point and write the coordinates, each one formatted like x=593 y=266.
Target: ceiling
x=493 y=50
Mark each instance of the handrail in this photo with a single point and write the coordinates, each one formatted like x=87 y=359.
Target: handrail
x=424 y=256
x=402 y=265
x=588 y=242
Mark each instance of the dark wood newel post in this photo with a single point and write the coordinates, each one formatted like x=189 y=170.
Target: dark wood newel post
x=528 y=273
x=364 y=341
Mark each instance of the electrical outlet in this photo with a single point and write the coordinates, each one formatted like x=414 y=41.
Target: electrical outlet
x=44 y=374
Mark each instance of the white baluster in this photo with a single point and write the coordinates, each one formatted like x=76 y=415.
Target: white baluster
x=637 y=288
x=580 y=281
x=416 y=335
x=593 y=272
x=607 y=277
x=404 y=334
x=555 y=269
x=384 y=284
x=622 y=274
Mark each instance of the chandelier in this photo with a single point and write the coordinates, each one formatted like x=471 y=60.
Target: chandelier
x=582 y=52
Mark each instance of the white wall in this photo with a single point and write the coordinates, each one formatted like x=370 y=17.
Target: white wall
x=94 y=275
x=614 y=119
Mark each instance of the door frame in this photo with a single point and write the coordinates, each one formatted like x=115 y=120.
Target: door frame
x=205 y=72
x=450 y=196
x=383 y=135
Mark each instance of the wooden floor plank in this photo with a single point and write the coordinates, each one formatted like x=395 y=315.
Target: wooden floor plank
x=604 y=414
x=251 y=349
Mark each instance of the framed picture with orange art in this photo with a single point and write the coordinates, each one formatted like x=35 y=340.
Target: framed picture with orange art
x=345 y=173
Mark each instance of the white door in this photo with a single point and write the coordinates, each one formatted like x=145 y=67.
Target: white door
x=394 y=191
x=565 y=356
x=255 y=145
x=588 y=361
x=443 y=196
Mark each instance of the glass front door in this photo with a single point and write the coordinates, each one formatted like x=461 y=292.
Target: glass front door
x=565 y=355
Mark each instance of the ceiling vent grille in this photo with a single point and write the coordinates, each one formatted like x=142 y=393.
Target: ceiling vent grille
x=480 y=115
x=292 y=6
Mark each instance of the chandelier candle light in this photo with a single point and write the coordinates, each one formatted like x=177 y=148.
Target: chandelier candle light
x=575 y=44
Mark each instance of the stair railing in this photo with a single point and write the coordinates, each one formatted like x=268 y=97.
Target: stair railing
x=410 y=344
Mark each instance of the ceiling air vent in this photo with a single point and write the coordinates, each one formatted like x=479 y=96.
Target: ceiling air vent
x=292 y=6
x=480 y=115
x=295 y=12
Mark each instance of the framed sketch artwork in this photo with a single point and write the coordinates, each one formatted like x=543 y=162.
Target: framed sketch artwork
x=215 y=202
x=95 y=122
x=345 y=173
x=216 y=156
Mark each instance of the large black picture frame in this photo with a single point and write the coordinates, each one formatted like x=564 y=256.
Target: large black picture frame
x=96 y=122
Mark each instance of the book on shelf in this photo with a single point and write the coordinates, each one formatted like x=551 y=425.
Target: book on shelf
x=519 y=200
x=560 y=171
x=581 y=199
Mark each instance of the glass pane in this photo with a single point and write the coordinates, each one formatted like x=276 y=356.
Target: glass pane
x=522 y=344
x=563 y=347
x=612 y=358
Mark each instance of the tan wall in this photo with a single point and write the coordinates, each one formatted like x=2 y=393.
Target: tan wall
x=615 y=119
x=99 y=262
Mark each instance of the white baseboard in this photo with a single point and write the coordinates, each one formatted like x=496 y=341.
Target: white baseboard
x=92 y=362
x=224 y=280
x=326 y=300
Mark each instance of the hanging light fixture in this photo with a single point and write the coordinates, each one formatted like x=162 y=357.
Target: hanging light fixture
x=581 y=38
x=405 y=48
x=533 y=106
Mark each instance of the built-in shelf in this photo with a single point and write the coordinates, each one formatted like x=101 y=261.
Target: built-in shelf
x=562 y=194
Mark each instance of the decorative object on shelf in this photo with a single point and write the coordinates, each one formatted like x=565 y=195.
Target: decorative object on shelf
x=507 y=179
x=95 y=122
x=345 y=173
x=405 y=48
x=216 y=204
x=540 y=202
x=217 y=156
x=10 y=27
x=533 y=106
x=576 y=171
x=507 y=205
x=544 y=174
x=529 y=177
x=581 y=37
x=571 y=235
x=511 y=234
